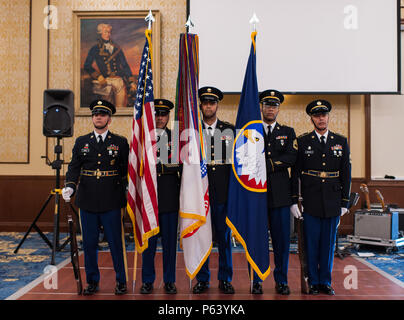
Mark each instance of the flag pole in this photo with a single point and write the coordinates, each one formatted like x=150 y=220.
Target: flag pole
x=134 y=270
x=251 y=278
x=254 y=20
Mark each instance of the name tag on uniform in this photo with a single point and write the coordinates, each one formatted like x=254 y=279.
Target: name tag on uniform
x=309 y=150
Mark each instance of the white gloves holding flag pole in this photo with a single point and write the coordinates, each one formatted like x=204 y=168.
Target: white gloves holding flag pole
x=295 y=211
x=67 y=193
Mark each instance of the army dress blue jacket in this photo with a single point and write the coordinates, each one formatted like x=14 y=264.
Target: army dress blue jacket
x=218 y=152
x=99 y=172
x=168 y=176
x=280 y=155
x=325 y=174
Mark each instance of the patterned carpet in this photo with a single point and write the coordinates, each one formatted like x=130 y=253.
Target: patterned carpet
x=18 y=270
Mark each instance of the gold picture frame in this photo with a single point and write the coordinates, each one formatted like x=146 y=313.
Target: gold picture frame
x=110 y=44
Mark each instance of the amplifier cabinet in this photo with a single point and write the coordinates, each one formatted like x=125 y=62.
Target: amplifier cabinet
x=376 y=224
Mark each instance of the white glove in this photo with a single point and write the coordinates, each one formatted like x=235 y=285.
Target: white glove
x=295 y=211
x=343 y=211
x=67 y=193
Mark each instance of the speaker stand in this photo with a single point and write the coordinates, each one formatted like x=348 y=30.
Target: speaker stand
x=55 y=244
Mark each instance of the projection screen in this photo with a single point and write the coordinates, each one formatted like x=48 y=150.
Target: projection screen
x=303 y=46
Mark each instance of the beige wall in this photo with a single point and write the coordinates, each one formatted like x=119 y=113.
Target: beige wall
x=357 y=139
x=173 y=15
x=14 y=84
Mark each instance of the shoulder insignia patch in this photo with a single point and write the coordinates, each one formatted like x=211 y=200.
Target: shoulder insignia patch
x=295 y=145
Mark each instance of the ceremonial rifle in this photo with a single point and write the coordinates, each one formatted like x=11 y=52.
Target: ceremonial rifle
x=74 y=252
x=304 y=278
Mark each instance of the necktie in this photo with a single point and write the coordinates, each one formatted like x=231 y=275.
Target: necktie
x=322 y=141
x=99 y=140
x=269 y=132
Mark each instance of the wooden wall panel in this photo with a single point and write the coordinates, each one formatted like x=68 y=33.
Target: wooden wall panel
x=21 y=198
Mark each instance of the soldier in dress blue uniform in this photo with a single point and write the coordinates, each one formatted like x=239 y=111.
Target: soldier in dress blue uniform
x=114 y=73
x=324 y=169
x=219 y=143
x=98 y=174
x=281 y=152
x=168 y=190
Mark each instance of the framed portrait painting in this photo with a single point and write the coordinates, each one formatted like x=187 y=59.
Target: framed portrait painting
x=107 y=52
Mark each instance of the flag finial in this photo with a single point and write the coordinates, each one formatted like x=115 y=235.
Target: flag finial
x=149 y=18
x=254 y=20
x=189 y=24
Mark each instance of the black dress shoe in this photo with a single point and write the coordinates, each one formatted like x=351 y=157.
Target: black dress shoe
x=226 y=287
x=282 y=288
x=169 y=287
x=257 y=288
x=200 y=287
x=327 y=289
x=146 y=288
x=91 y=289
x=313 y=289
x=121 y=288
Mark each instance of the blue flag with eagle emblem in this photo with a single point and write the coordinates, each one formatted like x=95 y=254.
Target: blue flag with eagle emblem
x=247 y=213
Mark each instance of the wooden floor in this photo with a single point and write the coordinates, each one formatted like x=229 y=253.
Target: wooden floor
x=372 y=284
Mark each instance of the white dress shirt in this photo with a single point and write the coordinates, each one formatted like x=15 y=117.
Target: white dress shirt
x=103 y=135
x=325 y=136
x=269 y=126
x=213 y=126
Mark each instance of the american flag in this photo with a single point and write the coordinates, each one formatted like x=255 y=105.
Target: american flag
x=142 y=188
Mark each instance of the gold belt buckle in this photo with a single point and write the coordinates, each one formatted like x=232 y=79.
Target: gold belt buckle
x=323 y=174
x=98 y=174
